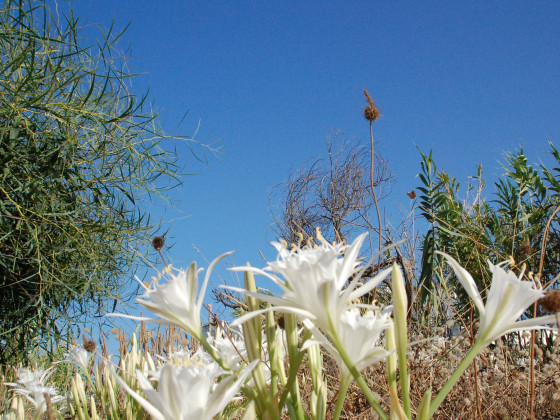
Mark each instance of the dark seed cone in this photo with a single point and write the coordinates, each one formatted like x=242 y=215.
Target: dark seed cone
x=158 y=242
x=526 y=247
x=371 y=112
x=89 y=345
x=281 y=322
x=551 y=301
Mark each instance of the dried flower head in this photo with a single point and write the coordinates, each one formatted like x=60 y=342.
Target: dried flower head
x=281 y=322
x=89 y=345
x=411 y=194
x=371 y=112
x=551 y=301
x=158 y=242
x=525 y=247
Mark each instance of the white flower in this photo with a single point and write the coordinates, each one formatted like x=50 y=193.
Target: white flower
x=233 y=352
x=80 y=356
x=231 y=349
x=199 y=361
x=31 y=385
x=359 y=335
x=176 y=302
x=314 y=281
x=186 y=393
x=28 y=378
x=508 y=298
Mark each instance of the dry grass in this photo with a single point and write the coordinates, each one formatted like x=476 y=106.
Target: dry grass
x=500 y=385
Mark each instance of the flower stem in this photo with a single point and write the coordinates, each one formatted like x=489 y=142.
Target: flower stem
x=290 y=323
x=465 y=363
x=342 y=390
x=396 y=411
x=358 y=377
x=400 y=313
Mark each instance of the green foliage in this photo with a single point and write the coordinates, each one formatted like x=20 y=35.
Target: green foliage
x=517 y=222
x=78 y=154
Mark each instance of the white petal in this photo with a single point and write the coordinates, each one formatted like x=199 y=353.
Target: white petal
x=467 y=281
x=370 y=285
x=154 y=412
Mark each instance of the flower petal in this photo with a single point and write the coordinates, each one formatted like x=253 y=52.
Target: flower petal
x=466 y=280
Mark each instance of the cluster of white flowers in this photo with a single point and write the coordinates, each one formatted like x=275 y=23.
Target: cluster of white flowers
x=323 y=287
x=314 y=282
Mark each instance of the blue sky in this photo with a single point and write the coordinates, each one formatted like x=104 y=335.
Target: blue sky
x=271 y=80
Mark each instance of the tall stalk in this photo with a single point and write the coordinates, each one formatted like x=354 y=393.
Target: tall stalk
x=371 y=113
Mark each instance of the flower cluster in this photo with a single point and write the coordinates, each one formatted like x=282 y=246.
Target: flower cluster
x=323 y=306
x=318 y=283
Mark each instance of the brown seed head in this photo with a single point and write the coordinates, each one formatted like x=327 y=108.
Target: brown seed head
x=412 y=194
x=525 y=247
x=89 y=345
x=158 y=242
x=371 y=112
x=551 y=301
x=281 y=321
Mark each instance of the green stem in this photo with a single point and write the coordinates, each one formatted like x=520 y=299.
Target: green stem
x=465 y=363
x=292 y=375
x=293 y=354
x=273 y=349
x=358 y=377
x=400 y=312
x=405 y=381
x=342 y=390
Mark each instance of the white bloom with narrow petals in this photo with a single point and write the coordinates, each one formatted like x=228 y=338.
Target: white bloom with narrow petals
x=31 y=384
x=231 y=349
x=315 y=281
x=177 y=302
x=507 y=300
x=187 y=393
x=79 y=356
x=199 y=361
x=360 y=336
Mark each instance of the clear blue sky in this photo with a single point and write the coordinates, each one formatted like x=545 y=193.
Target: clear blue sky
x=469 y=80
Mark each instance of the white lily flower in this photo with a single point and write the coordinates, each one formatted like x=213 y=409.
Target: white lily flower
x=359 y=335
x=508 y=298
x=31 y=384
x=186 y=393
x=79 y=356
x=315 y=280
x=28 y=378
x=231 y=349
x=199 y=361
x=176 y=302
